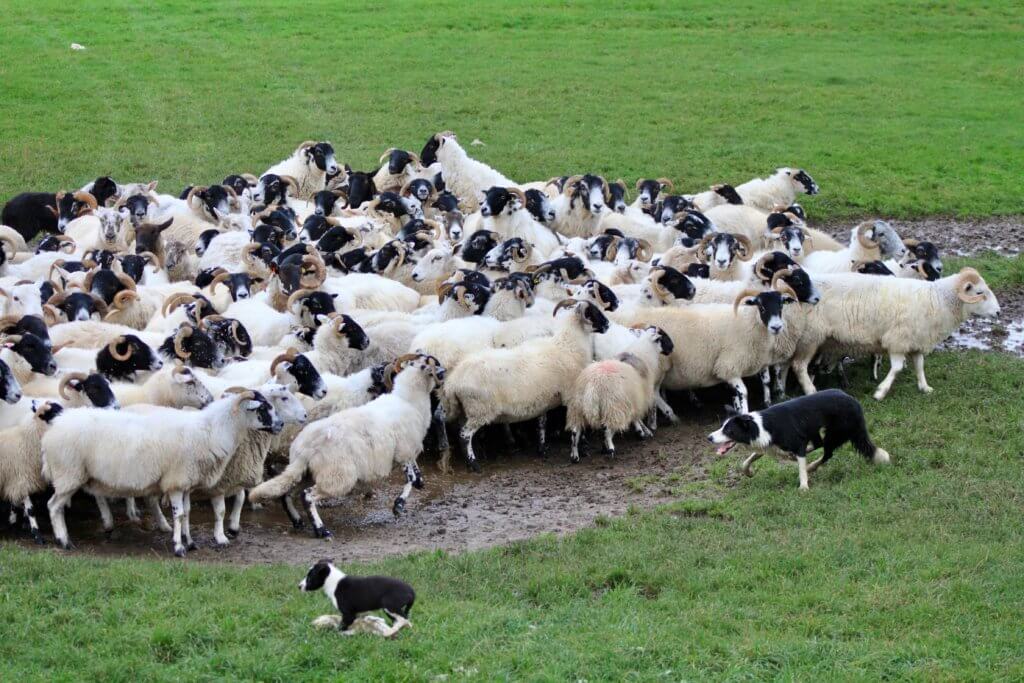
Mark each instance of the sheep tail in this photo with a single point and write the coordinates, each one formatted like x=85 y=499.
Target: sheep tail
x=280 y=485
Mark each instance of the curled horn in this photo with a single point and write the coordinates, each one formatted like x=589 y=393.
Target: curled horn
x=857 y=265
x=743 y=295
x=564 y=303
x=415 y=157
x=231 y=191
x=183 y=332
x=919 y=267
x=460 y=294
x=702 y=255
x=967 y=277
x=122 y=276
x=910 y=243
x=606 y=190
x=341 y=194
x=246 y=395
x=437 y=228
x=442 y=291
x=386 y=154
x=172 y=302
x=9 y=321
x=218 y=279
x=230 y=390
x=67 y=379
x=87 y=284
x=644 y=251
x=521 y=254
x=613 y=246
x=8 y=242
x=296 y=295
x=784 y=288
x=67 y=243
x=748 y=248
x=86 y=199
x=152 y=259
x=112 y=348
x=101 y=305
x=192 y=194
x=665 y=182
x=519 y=193
x=655 y=278
x=51 y=316
x=249 y=178
x=287 y=357
x=290 y=180
x=205 y=322
x=759 y=267
x=779 y=277
x=388 y=376
x=56 y=265
x=121 y=300
x=570 y=184
x=57 y=299
x=319 y=273
x=639 y=182
x=249 y=257
x=307 y=143
x=862 y=236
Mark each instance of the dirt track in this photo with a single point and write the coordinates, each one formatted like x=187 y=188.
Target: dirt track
x=518 y=495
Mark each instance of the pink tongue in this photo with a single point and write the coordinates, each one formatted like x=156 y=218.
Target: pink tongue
x=726 y=447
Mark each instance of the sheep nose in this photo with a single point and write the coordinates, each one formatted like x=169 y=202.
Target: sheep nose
x=318 y=211
x=598 y=207
x=15 y=397
x=775 y=328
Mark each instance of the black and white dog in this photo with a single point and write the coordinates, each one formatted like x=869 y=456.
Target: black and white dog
x=793 y=429
x=355 y=595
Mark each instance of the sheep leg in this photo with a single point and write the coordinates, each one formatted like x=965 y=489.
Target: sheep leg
x=443 y=447
x=132 y=510
x=799 y=365
x=56 y=506
x=33 y=524
x=509 y=436
x=896 y=361
x=177 y=514
x=542 y=435
x=781 y=376
x=922 y=383
x=158 y=514
x=876 y=366
x=309 y=502
x=691 y=396
x=467 y=442
x=293 y=514
x=417 y=482
x=642 y=430
x=217 y=502
x=609 y=445
x=410 y=476
x=739 y=397
x=235 y=521
x=750 y=461
x=665 y=408
x=106 y=516
x=766 y=385
x=801 y=463
x=574 y=450
x=186 y=522
x=12 y=516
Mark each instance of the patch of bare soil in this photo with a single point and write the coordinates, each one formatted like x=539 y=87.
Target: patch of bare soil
x=953 y=236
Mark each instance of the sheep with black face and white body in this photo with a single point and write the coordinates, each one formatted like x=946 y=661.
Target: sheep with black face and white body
x=580 y=206
x=779 y=189
x=161 y=452
x=309 y=165
x=377 y=435
x=504 y=211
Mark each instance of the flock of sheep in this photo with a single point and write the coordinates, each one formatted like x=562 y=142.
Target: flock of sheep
x=327 y=320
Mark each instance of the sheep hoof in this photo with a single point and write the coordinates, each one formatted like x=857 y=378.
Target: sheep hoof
x=474 y=466
x=399 y=507
x=38 y=538
x=575 y=458
x=322 y=532
x=233 y=533
x=298 y=524
x=926 y=389
x=609 y=452
x=747 y=471
x=217 y=545
x=192 y=546
x=417 y=483
x=66 y=545
x=179 y=551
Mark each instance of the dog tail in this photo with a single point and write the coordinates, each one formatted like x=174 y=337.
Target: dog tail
x=862 y=442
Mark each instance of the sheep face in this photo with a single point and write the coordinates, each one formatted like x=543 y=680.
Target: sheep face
x=694 y=225
x=314 y=305
x=720 y=251
x=420 y=188
x=591 y=190
x=648 y=191
x=398 y=159
x=270 y=189
x=617 y=197
x=802 y=181
x=802 y=285
x=769 y=309
x=35 y=352
x=260 y=414
x=23 y=300
x=658 y=338
x=289 y=408
x=322 y=156
x=889 y=242
x=509 y=253
x=434 y=145
x=666 y=285
x=205 y=237
x=598 y=293
x=791 y=239
x=103 y=189
x=927 y=255
x=593 y=319
x=360 y=188
x=518 y=285
x=187 y=389
x=476 y=247
x=498 y=201
x=434 y=265
x=94 y=390
x=673 y=208
x=974 y=293
x=324 y=202
x=149 y=237
x=194 y=347
x=46 y=410
x=872 y=268
x=78 y=306
x=445 y=202
x=230 y=336
x=72 y=205
x=240 y=184
x=125 y=356
x=137 y=208
x=10 y=390
x=701 y=270
x=539 y=206
x=300 y=374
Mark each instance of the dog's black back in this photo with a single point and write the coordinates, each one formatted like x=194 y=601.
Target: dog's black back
x=358 y=594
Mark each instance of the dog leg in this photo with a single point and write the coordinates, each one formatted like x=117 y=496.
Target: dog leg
x=801 y=463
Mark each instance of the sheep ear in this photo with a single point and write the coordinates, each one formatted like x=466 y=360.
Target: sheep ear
x=752 y=301
x=252 y=405
x=322 y=319
x=334 y=296
x=152 y=186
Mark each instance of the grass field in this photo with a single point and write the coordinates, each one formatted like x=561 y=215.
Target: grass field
x=911 y=571
x=896 y=109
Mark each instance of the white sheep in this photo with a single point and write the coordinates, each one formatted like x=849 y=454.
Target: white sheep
x=362 y=443
x=778 y=189
x=165 y=451
x=21 y=460
x=173 y=386
x=869 y=241
x=464 y=176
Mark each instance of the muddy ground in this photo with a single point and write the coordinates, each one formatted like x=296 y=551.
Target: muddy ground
x=519 y=495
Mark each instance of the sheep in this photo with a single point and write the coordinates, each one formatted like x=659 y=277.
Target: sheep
x=389 y=429
x=716 y=195
x=21 y=298
x=174 y=386
x=615 y=394
x=245 y=468
x=165 y=451
x=634 y=223
x=728 y=256
x=580 y=206
x=401 y=167
x=464 y=176
x=504 y=211
x=869 y=241
x=719 y=343
x=525 y=382
x=310 y=165
x=26 y=354
x=780 y=188
x=75 y=389
x=898 y=316
x=21 y=460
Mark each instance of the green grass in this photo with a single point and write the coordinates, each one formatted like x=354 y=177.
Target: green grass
x=897 y=109
x=910 y=571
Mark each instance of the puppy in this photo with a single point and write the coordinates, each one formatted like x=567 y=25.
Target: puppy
x=354 y=595
x=794 y=428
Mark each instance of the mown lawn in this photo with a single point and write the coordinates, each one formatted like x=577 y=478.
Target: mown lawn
x=897 y=109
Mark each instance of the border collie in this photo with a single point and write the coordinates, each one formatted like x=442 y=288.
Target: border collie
x=355 y=595
x=793 y=428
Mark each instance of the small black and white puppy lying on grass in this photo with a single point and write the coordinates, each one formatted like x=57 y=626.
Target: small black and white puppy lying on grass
x=355 y=595
x=793 y=428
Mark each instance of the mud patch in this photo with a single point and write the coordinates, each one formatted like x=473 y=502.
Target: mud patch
x=517 y=496
x=987 y=334
x=953 y=236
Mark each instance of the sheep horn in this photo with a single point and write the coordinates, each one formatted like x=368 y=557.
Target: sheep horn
x=339 y=193
x=519 y=193
x=112 y=348
x=437 y=227
x=388 y=377
x=50 y=315
x=121 y=299
x=968 y=276
x=743 y=295
x=613 y=246
x=87 y=199
x=702 y=247
x=101 y=305
x=606 y=190
x=460 y=294
x=249 y=178
x=172 y=302
x=910 y=243
x=569 y=183
x=386 y=154
x=213 y=318
x=286 y=357
x=122 y=277
x=784 y=288
x=66 y=379
x=67 y=243
x=56 y=265
x=87 y=285
x=57 y=299
x=862 y=237
x=295 y=296
x=644 y=251
x=521 y=254
x=759 y=267
x=232 y=390
x=9 y=321
x=196 y=189
x=564 y=303
x=249 y=258
x=919 y=267
x=218 y=279
x=667 y=183
x=290 y=180
x=7 y=241
x=319 y=272
x=655 y=278
x=748 y=248
x=779 y=277
x=183 y=332
x=152 y=259
x=442 y=291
